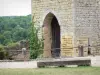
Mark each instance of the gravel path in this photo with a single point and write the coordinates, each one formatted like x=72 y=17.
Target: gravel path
x=26 y=64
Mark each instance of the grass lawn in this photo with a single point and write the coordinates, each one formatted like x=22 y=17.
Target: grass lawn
x=53 y=71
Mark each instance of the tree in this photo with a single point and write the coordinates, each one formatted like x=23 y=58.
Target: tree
x=7 y=37
x=35 y=43
x=14 y=28
x=2 y=52
x=2 y=39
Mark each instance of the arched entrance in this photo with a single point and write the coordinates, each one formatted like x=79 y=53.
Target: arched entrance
x=51 y=35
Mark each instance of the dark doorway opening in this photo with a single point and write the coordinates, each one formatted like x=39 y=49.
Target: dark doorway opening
x=55 y=31
x=51 y=34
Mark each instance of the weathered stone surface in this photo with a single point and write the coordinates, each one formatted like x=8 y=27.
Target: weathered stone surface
x=77 y=18
x=64 y=62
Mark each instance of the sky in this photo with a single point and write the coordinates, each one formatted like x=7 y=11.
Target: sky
x=15 y=7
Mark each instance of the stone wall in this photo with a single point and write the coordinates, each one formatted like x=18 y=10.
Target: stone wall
x=62 y=10
x=78 y=19
x=87 y=21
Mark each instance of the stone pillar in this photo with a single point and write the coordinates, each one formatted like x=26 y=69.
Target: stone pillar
x=47 y=41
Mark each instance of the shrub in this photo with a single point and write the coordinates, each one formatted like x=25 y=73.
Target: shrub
x=35 y=43
x=11 y=45
x=2 y=52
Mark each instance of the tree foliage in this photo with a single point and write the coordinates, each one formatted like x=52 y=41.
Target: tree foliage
x=17 y=28
x=14 y=28
x=35 y=43
x=2 y=52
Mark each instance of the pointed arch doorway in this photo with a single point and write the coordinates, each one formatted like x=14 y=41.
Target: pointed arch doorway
x=51 y=34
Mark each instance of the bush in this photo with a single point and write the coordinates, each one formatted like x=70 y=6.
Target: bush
x=36 y=44
x=11 y=45
x=2 y=52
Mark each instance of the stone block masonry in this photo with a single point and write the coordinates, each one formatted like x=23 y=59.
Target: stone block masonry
x=78 y=19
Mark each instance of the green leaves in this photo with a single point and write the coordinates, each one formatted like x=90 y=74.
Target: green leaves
x=2 y=52
x=14 y=29
x=35 y=43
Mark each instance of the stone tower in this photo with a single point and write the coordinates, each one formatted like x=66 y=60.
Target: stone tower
x=69 y=27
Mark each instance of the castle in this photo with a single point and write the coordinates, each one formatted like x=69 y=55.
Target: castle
x=69 y=27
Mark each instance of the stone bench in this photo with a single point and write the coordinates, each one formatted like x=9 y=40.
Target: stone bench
x=64 y=62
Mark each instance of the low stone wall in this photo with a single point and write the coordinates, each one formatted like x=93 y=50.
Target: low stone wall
x=95 y=61
x=65 y=62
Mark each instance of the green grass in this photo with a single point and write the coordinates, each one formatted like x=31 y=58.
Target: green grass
x=53 y=71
